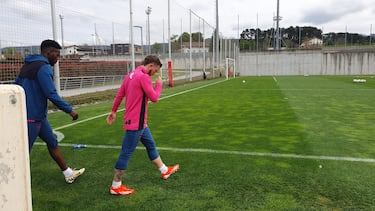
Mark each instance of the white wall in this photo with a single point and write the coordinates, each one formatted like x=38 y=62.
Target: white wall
x=15 y=185
x=308 y=62
x=298 y=62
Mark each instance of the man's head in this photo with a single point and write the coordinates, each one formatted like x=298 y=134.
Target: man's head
x=152 y=64
x=51 y=50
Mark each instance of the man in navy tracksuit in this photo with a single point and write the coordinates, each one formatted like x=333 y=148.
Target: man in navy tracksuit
x=36 y=78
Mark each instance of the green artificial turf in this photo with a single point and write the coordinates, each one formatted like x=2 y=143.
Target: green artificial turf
x=271 y=143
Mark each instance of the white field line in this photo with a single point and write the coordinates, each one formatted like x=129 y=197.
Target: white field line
x=364 y=160
x=162 y=98
x=256 y=154
x=190 y=90
x=81 y=121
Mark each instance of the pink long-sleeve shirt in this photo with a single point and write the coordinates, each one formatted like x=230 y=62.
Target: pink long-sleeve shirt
x=138 y=90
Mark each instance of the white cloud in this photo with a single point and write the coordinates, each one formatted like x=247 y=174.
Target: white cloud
x=81 y=16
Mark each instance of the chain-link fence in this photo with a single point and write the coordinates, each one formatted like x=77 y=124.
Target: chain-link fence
x=96 y=47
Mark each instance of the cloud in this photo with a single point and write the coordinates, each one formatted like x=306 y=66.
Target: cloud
x=325 y=14
x=319 y=17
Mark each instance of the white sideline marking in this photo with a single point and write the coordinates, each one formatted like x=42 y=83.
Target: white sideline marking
x=81 y=121
x=61 y=135
x=190 y=90
x=102 y=115
x=257 y=154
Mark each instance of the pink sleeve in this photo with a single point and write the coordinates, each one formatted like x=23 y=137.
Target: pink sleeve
x=119 y=96
x=152 y=94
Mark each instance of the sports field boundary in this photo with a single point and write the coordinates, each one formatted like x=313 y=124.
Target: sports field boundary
x=255 y=154
x=161 y=98
x=60 y=136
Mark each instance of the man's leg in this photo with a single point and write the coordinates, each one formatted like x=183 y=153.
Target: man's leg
x=129 y=143
x=58 y=158
x=149 y=142
x=33 y=132
x=46 y=134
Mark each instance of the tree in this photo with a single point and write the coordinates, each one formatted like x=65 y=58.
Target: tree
x=185 y=37
x=197 y=37
x=156 y=48
x=290 y=37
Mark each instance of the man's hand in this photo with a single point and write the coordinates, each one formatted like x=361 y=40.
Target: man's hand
x=158 y=80
x=74 y=115
x=111 y=117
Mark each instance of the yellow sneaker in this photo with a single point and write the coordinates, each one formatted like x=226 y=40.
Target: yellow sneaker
x=76 y=173
x=171 y=170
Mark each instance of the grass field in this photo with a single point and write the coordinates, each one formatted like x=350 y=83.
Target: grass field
x=272 y=143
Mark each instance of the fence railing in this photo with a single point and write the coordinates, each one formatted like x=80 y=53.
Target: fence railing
x=84 y=81
x=89 y=81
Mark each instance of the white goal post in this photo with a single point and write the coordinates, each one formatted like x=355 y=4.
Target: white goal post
x=230 y=68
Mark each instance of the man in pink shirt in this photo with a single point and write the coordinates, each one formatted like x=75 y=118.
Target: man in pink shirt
x=138 y=90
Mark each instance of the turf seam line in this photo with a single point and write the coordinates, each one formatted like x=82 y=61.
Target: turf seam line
x=257 y=154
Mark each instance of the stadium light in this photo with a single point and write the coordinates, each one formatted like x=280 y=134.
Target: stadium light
x=277 y=26
x=148 y=12
x=131 y=33
x=217 y=39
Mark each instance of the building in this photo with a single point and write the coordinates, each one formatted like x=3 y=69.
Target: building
x=314 y=42
x=196 y=47
x=71 y=50
x=124 y=49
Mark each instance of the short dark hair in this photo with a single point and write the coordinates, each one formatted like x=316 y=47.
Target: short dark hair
x=49 y=44
x=152 y=59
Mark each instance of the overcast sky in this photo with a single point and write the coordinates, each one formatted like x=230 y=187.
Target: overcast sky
x=355 y=16
x=331 y=15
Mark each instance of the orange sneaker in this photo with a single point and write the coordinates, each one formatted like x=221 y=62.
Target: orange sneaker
x=171 y=170
x=122 y=190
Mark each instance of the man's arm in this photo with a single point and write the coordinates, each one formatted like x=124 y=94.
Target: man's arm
x=152 y=94
x=47 y=85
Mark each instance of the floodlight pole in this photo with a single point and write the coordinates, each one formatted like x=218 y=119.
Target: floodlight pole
x=56 y=68
x=370 y=33
x=204 y=50
x=163 y=39
x=299 y=36
x=131 y=33
x=141 y=38
x=113 y=39
x=62 y=36
x=191 y=47
x=277 y=26
x=169 y=31
x=148 y=12
x=169 y=67
x=346 y=34
x=257 y=34
x=217 y=37
x=93 y=44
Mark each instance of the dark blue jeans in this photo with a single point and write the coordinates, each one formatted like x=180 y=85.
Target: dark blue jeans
x=129 y=144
